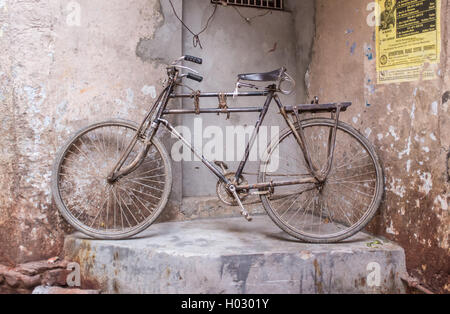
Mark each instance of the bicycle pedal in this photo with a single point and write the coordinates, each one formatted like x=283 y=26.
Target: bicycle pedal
x=247 y=216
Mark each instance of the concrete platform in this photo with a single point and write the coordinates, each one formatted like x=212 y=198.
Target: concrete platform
x=230 y=255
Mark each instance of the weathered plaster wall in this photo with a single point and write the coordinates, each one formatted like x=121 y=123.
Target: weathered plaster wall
x=407 y=122
x=305 y=28
x=66 y=64
x=63 y=65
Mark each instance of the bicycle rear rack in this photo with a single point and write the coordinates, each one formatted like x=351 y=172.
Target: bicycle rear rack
x=313 y=108
x=335 y=109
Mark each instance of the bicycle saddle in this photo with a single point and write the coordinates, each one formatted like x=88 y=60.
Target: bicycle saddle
x=263 y=77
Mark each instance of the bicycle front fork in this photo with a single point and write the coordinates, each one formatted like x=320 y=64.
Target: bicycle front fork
x=146 y=132
x=119 y=171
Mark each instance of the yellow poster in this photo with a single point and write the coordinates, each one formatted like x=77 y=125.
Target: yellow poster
x=408 y=36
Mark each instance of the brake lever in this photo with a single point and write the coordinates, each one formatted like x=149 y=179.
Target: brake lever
x=178 y=60
x=187 y=68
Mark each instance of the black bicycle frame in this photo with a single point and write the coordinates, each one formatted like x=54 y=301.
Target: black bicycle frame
x=154 y=119
x=268 y=93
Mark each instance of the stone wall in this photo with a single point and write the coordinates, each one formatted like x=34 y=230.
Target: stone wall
x=24 y=278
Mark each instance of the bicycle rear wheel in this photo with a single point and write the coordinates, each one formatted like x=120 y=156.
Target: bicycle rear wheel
x=97 y=207
x=336 y=209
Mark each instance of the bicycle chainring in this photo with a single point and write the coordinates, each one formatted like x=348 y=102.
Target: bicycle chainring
x=225 y=196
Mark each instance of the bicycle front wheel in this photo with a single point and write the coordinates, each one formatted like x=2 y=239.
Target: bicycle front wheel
x=341 y=206
x=97 y=207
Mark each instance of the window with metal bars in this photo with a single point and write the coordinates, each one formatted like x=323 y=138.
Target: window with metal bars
x=265 y=4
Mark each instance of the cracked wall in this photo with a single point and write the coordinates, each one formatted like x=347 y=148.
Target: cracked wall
x=407 y=122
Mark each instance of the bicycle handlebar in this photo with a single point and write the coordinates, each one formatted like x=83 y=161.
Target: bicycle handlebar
x=194 y=77
x=193 y=59
x=190 y=75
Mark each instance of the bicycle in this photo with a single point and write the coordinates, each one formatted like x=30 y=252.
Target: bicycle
x=112 y=179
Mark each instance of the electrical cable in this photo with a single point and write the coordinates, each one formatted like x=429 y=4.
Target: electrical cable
x=196 y=39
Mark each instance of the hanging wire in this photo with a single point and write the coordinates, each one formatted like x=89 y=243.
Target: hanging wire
x=249 y=19
x=196 y=39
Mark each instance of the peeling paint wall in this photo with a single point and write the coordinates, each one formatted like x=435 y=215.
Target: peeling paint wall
x=66 y=64
x=63 y=65
x=407 y=122
x=305 y=28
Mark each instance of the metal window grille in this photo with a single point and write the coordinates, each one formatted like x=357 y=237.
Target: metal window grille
x=265 y=4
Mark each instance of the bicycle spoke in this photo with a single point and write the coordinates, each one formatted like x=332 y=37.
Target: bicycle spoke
x=352 y=160
x=305 y=210
x=147 y=186
x=100 y=208
x=356 y=176
x=122 y=212
x=139 y=200
x=292 y=204
x=153 y=170
x=359 y=192
x=287 y=199
x=143 y=193
x=84 y=154
x=355 y=202
x=129 y=210
x=120 y=206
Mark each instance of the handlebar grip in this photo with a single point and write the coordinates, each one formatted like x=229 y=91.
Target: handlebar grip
x=195 y=77
x=193 y=59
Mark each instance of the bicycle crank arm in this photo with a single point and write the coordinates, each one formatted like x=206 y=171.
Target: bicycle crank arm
x=244 y=212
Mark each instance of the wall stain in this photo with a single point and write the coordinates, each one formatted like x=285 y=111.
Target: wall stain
x=156 y=48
